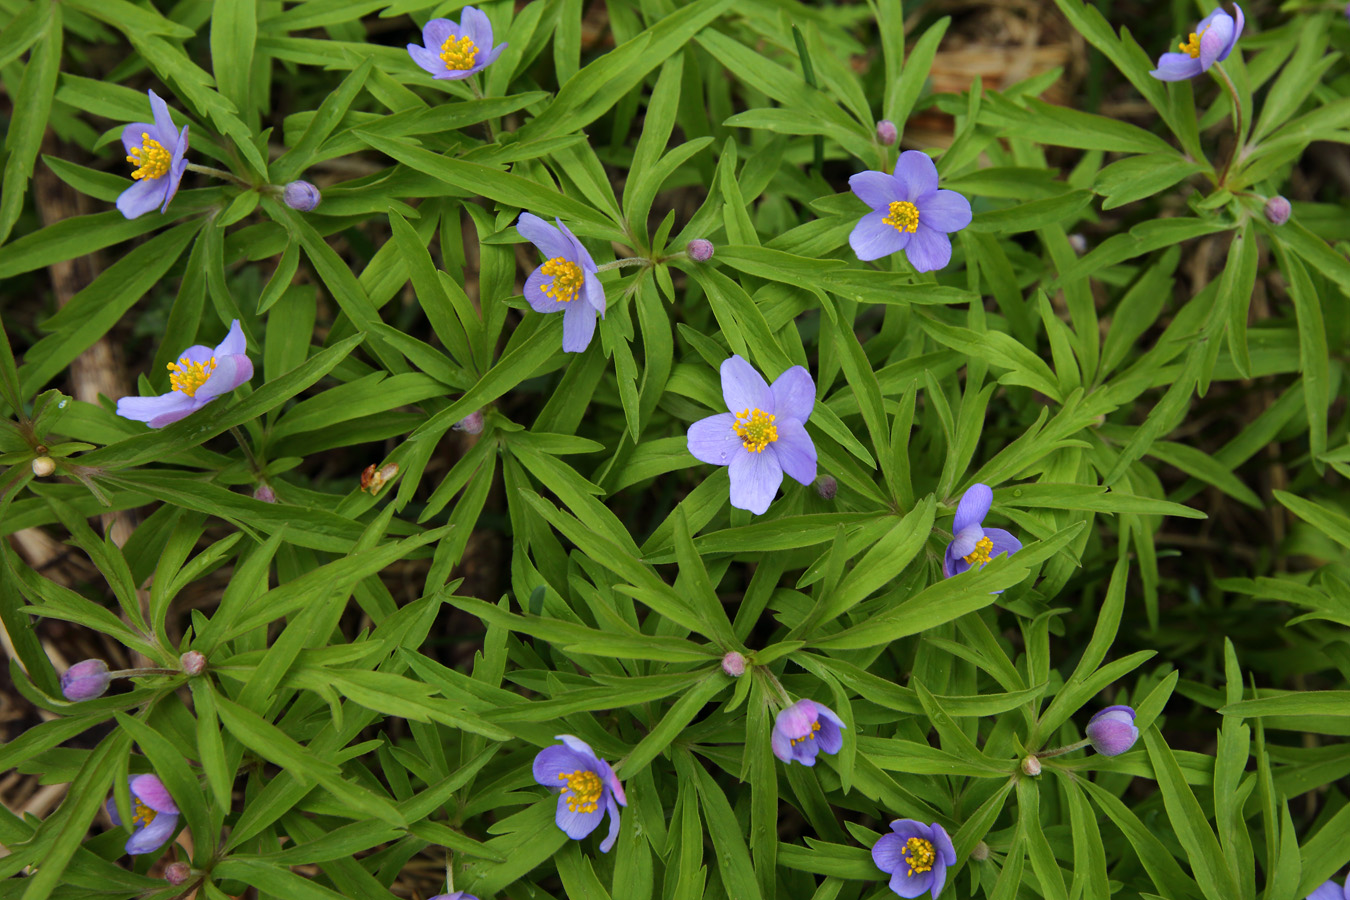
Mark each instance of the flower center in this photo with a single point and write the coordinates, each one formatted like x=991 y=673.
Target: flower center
x=815 y=726
x=458 y=53
x=188 y=376
x=150 y=158
x=980 y=555
x=1192 y=46
x=756 y=429
x=920 y=855
x=143 y=814
x=567 y=279
x=585 y=788
x=904 y=216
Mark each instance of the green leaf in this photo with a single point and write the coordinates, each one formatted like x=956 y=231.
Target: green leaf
x=32 y=104
x=1188 y=819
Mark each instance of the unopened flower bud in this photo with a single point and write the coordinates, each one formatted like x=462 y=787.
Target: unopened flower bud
x=980 y=852
x=886 y=132
x=265 y=493
x=700 y=250
x=1112 y=731
x=85 y=680
x=1031 y=766
x=301 y=195
x=1078 y=243
x=1277 y=210
x=43 y=466
x=193 y=662
x=827 y=487
x=470 y=424
x=176 y=873
x=733 y=664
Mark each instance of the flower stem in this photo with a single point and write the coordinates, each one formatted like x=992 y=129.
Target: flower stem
x=776 y=686
x=132 y=673
x=626 y=261
x=220 y=173
x=1238 y=135
x=1068 y=748
x=248 y=451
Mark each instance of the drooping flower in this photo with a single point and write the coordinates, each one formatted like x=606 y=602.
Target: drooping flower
x=763 y=435
x=916 y=856
x=201 y=375
x=157 y=151
x=154 y=815
x=85 y=680
x=804 y=729
x=1328 y=889
x=566 y=277
x=1211 y=42
x=589 y=788
x=453 y=50
x=972 y=544
x=1112 y=730
x=909 y=213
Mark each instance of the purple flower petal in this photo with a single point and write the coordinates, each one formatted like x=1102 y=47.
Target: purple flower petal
x=974 y=506
x=152 y=793
x=830 y=737
x=229 y=373
x=144 y=196
x=578 y=327
x=889 y=853
x=110 y=807
x=475 y=24
x=796 y=454
x=579 y=254
x=550 y=241
x=964 y=541
x=945 y=211
x=928 y=250
x=1217 y=39
x=906 y=885
x=608 y=843
x=1176 y=67
x=794 y=395
x=1328 y=891
x=577 y=825
x=877 y=189
x=434 y=35
x=595 y=293
x=490 y=57
x=1003 y=542
x=234 y=342
x=152 y=836
x=872 y=238
x=952 y=563
x=177 y=166
x=712 y=440
x=165 y=132
x=535 y=296
x=755 y=478
x=917 y=172
x=1238 y=24
x=743 y=388
x=551 y=761
x=157 y=411
x=427 y=60
x=579 y=747
x=939 y=878
x=781 y=745
x=131 y=135
x=943 y=843
x=615 y=786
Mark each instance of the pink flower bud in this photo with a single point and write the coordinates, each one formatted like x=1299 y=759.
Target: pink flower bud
x=470 y=424
x=301 y=195
x=176 y=873
x=1277 y=210
x=827 y=487
x=733 y=664
x=887 y=132
x=265 y=493
x=193 y=663
x=43 y=466
x=1112 y=731
x=1031 y=766
x=700 y=250
x=85 y=680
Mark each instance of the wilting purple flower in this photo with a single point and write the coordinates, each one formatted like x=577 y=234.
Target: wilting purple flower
x=456 y=50
x=700 y=249
x=301 y=195
x=85 y=680
x=763 y=435
x=908 y=213
x=1112 y=731
x=470 y=424
x=589 y=788
x=887 y=133
x=972 y=544
x=916 y=856
x=157 y=151
x=1329 y=890
x=827 y=487
x=1277 y=210
x=200 y=376
x=1211 y=42
x=154 y=815
x=803 y=730
x=567 y=275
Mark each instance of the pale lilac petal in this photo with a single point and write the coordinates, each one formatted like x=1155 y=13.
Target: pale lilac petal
x=974 y=506
x=1176 y=67
x=579 y=253
x=165 y=131
x=608 y=843
x=917 y=173
x=781 y=745
x=153 y=836
x=1328 y=891
x=132 y=135
x=535 y=296
x=794 y=395
x=234 y=343
x=796 y=454
x=877 y=189
x=177 y=166
x=889 y=853
x=229 y=373
x=952 y=562
x=939 y=878
x=434 y=35
x=428 y=60
x=551 y=242
x=964 y=541
x=489 y=57
x=872 y=238
x=578 y=327
x=152 y=793
x=1241 y=20
x=577 y=825
x=197 y=353
x=553 y=762
x=830 y=737
x=942 y=842
x=905 y=885
x=163 y=409
x=1003 y=542
x=579 y=747
x=945 y=211
x=615 y=786
x=110 y=807
x=142 y=197
x=745 y=389
x=475 y=24
x=1217 y=41
x=712 y=440
x=755 y=478
x=595 y=293
x=928 y=250
x=797 y=719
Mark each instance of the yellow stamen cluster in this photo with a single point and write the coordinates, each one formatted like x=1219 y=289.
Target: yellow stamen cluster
x=151 y=159
x=188 y=376
x=904 y=216
x=920 y=855
x=980 y=555
x=567 y=279
x=815 y=726
x=458 y=53
x=756 y=429
x=585 y=788
x=1192 y=46
x=143 y=814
